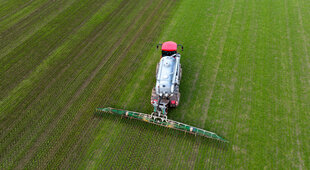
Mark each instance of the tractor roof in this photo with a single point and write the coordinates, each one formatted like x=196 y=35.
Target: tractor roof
x=169 y=46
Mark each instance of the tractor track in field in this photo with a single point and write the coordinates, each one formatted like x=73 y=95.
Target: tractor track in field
x=42 y=92
x=25 y=22
x=232 y=81
x=15 y=42
x=292 y=81
x=96 y=71
x=246 y=65
x=146 y=23
x=69 y=64
x=97 y=90
x=219 y=57
x=200 y=66
x=76 y=56
x=51 y=82
x=17 y=9
x=303 y=35
x=67 y=106
x=25 y=72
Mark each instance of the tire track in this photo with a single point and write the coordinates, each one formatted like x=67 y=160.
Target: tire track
x=22 y=65
x=29 y=118
x=292 y=83
x=219 y=57
x=56 y=120
x=15 y=10
x=89 y=80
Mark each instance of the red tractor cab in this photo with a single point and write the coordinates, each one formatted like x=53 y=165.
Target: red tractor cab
x=169 y=48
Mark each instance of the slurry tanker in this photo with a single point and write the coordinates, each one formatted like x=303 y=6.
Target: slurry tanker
x=165 y=94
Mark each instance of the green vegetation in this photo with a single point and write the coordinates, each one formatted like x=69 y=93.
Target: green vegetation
x=245 y=76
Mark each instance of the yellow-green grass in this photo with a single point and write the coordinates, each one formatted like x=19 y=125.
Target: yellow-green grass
x=245 y=76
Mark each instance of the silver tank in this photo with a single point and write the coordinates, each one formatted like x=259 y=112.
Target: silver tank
x=167 y=75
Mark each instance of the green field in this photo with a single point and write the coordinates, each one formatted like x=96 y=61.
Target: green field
x=246 y=77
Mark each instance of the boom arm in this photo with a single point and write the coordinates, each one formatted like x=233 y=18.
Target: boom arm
x=169 y=123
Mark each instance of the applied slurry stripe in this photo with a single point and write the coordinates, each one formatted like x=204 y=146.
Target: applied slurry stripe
x=131 y=133
x=195 y=152
x=84 y=48
x=181 y=139
x=172 y=148
x=94 y=73
x=138 y=148
x=18 y=41
x=292 y=83
x=15 y=9
x=14 y=89
x=165 y=147
x=114 y=143
x=184 y=154
x=203 y=153
x=130 y=140
x=12 y=64
x=192 y=151
x=153 y=147
x=178 y=153
x=219 y=57
x=20 y=27
x=111 y=125
x=97 y=90
x=48 y=85
x=21 y=14
x=209 y=159
x=107 y=97
x=80 y=52
x=66 y=107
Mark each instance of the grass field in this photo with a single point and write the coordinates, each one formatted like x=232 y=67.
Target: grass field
x=245 y=76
